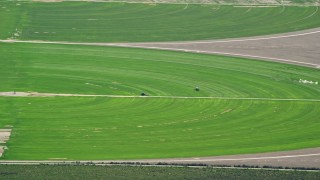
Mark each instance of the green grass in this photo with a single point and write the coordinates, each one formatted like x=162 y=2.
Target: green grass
x=140 y=172
x=104 y=128
x=117 y=128
x=125 y=22
x=128 y=71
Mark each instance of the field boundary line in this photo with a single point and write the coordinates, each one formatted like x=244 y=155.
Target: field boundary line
x=231 y=40
x=163 y=48
x=36 y=94
x=250 y=158
x=153 y=45
x=205 y=159
x=222 y=53
x=170 y=42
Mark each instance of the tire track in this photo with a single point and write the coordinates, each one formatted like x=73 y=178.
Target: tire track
x=36 y=94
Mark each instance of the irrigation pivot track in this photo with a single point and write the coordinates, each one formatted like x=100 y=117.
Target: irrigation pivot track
x=36 y=94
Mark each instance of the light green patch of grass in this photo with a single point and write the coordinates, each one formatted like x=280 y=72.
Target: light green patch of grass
x=125 y=22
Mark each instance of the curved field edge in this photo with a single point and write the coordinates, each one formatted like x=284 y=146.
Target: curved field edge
x=126 y=22
x=88 y=128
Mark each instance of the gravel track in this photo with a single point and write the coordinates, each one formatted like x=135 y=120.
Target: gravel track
x=301 y=48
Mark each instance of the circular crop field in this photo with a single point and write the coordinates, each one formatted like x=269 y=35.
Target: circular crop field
x=64 y=101
x=241 y=106
x=143 y=22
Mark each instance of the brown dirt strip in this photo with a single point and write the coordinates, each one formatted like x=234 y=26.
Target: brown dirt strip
x=307 y=158
x=301 y=48
x=298 y=158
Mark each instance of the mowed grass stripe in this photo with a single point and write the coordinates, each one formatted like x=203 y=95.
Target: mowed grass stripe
x=125 y=22
x=120 y=128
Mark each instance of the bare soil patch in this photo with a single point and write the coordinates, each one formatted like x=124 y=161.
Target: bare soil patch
x=309 y=158
x=4 y=137
x=254 y=6
x=300 y=48
x=304 y=158
x=47 y=0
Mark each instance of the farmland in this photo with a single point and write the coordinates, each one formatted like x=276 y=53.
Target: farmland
x=251 y=106
x=122 y=172
x=125 y=22
x=69 y=92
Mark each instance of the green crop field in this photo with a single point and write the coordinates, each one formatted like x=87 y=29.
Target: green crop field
x=76 y=128
x=243 y=106
x=140 y=172
x=127 y=22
